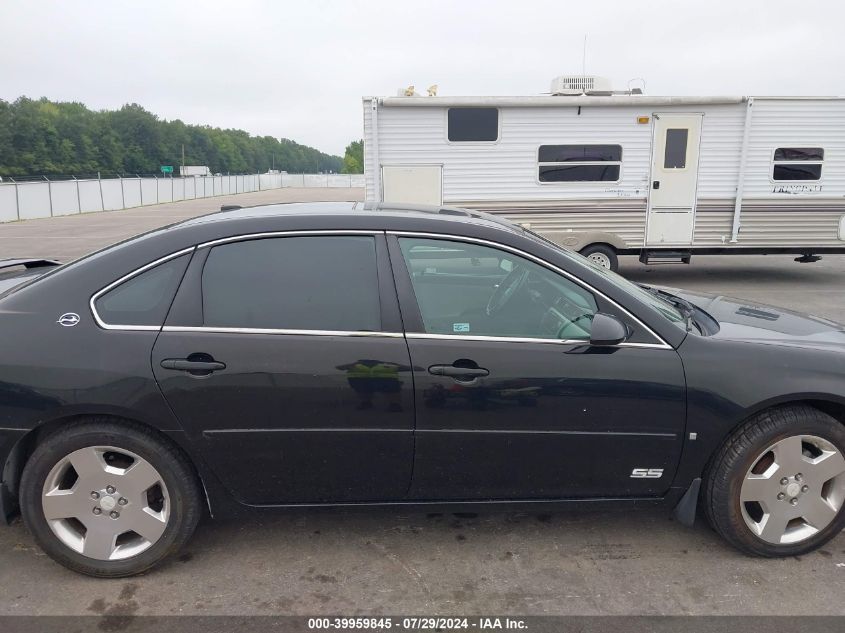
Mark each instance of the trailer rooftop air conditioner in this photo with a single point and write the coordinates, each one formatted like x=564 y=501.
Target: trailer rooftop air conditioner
x=580 y=85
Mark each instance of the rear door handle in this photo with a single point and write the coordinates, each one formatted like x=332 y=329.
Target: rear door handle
x=200 y=367
x=655 y=184
x=458 y=373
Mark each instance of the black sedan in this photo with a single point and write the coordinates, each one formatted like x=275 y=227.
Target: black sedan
x=339 y=354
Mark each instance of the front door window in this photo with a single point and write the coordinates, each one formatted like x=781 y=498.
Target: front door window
x=465 y=289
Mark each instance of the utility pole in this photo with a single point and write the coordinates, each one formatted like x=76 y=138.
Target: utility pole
x=181 y=171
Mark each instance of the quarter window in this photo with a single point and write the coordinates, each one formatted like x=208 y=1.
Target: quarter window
x=473 y=124
x=472 y=290
x=145 y=298
x=797 y=163
x=579 y=163
x=293 y=283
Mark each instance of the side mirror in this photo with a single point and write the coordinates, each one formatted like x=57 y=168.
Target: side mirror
x=607 y=330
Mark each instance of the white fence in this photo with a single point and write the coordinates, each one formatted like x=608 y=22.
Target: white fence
x=45 y=199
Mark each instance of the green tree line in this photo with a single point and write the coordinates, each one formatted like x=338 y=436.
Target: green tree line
x=353 y=159
x=42 y=137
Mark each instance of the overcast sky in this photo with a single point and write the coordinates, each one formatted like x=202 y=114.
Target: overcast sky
x=299 y=69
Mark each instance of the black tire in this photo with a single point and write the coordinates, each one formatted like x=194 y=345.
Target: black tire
x=602 y=250
x=725 y=475
x=185 y=497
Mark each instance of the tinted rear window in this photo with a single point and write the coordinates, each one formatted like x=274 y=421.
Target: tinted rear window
x=145 y=298
x=293 y=283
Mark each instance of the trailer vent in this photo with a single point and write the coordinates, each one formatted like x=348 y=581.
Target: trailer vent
x=580 y=85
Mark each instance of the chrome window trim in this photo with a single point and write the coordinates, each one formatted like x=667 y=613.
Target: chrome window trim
x=127 y=277
x=254 y=236
x=517 y=339
x=154 y=328
x=662 y=344
x=249 y=330
x=501 y=339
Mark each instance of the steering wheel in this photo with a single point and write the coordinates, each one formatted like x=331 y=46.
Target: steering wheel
x=507 y=290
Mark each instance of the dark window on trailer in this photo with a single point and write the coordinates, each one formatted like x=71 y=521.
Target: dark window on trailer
x=579 y=163
x=675 y=152
x=145 y=298
x=473 y=124
x=799 y=153
x=293 y=283
x=797 y=163
x=579 y=153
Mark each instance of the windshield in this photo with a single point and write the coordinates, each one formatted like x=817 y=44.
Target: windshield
x=661 y=305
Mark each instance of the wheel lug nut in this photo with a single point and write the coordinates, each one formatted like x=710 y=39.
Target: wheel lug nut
x=784 y=481
x=97 y=511
x=95 y=495
x=781 y=496
x=805 y=488
x=122 y=501
x=110 y=489
x=794 y=501
x=114 y=514
x=799 y=477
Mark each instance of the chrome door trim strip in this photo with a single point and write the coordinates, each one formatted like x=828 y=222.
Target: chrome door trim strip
x=502 y=339
x=249 y=330
x=137 y=271
x=253 y=236
x=517 y=339
x=461 y=238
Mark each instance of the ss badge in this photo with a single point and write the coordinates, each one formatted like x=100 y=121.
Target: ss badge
x=647 y=473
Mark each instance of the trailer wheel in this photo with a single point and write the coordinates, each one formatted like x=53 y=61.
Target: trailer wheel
x=602 y=255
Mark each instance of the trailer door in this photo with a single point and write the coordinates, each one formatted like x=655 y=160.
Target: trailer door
x=674 y=177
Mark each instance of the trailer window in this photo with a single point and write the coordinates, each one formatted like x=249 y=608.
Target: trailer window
x=579 y=163
x=797 y=163
x=473 y=124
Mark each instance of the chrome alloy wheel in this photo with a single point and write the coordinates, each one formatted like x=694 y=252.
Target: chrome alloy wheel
x=106 y=503
x=600 y=258
x=794 y=489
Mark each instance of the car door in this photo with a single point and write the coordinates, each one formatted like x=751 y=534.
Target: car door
x=284 y=360
x=512 y=400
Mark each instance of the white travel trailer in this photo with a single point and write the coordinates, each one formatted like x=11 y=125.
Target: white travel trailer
x=623 y=173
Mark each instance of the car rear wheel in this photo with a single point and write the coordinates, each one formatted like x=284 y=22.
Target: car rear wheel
x=777 y=486
x=109 y=499
x=603 y=255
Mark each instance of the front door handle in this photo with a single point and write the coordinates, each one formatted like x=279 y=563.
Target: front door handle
x=197 y=364
x=458 y=373
x=655 y=184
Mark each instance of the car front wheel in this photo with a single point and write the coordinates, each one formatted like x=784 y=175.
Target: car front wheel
x=109 y=499
x=777 y=486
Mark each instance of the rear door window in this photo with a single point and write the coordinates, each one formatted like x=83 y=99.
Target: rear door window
x=293 y=283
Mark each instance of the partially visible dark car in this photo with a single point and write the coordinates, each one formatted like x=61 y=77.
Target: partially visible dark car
x=337 y=353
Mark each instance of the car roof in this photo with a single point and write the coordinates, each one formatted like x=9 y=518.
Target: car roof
x=360 y=209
